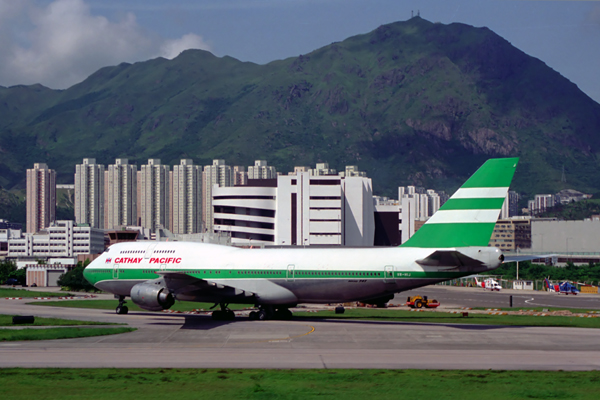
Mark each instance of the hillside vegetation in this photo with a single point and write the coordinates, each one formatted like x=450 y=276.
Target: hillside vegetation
x=411 y=103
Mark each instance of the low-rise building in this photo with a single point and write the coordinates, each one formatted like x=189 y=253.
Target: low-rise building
x=60 y=239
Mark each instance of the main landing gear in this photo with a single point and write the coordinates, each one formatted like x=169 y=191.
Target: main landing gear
x=269 y=312
x=224 y=314
x=122 y=308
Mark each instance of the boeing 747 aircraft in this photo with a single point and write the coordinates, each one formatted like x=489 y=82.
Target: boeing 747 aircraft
x=451 y=244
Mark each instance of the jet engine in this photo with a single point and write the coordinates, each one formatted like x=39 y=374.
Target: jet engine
x=152 y=296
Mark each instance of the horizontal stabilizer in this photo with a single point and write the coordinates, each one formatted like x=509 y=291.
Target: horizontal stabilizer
x=449 y=258
x=528 y=257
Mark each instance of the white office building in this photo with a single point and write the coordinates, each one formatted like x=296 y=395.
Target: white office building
x=298 y=210
x=187 y=197
x=89 y=193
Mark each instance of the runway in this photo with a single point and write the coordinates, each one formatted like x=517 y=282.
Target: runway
x=180 y=341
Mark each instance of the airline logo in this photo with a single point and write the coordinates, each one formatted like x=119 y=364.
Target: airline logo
x=108 y=260
x=137 y=260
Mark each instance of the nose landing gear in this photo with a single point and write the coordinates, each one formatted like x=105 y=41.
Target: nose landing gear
x=122 y=308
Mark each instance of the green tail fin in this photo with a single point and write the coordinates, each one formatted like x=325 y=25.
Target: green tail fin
x=469 y=216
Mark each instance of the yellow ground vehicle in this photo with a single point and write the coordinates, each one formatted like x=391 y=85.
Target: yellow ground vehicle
x=421 y=301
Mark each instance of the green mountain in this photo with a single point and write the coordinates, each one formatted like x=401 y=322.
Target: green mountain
x=411 y=103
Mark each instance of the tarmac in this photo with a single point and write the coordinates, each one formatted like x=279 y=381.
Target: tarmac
x=196 y=341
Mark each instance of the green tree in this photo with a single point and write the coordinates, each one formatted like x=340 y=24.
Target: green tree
x=6 y=269
x=74 y=279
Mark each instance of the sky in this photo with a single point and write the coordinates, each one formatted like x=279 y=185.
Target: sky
x=59 y=43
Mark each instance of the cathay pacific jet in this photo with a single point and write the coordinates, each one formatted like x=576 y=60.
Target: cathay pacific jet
x=451 y=244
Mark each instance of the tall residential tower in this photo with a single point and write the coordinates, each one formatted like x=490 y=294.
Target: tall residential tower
x=187 y=198
x=121 y=194
x=155 y=196
x=41 y=197
x=89 y=193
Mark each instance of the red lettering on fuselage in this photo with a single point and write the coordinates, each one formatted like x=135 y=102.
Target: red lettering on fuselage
x=127 y=260
x=169 y=260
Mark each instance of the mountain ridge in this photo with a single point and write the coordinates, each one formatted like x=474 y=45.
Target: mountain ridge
x=410 y=102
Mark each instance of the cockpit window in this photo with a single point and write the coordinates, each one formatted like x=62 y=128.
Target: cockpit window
x=107 y=249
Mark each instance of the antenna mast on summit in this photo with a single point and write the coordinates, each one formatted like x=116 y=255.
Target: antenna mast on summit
x=563 y=179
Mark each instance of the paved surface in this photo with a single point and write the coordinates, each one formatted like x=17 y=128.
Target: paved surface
x=450 y=296
x=177 y=340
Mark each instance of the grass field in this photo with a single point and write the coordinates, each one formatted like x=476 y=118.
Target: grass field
x=57 y=333
x=111 y=304
x=373 y=314
x=182 y=384
x=6 y=320
x=8 y=292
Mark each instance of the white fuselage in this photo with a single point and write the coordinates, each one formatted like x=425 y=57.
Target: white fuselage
x=276 y=275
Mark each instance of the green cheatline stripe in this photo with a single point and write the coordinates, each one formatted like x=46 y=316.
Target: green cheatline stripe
x=452 y=235
x=280 y=275
x=473 y=204
x=497 y=172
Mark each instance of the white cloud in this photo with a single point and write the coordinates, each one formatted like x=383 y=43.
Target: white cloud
x=65 y=43
x=172 y=48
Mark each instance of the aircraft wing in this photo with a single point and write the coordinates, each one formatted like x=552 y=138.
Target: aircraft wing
x=182 y=282
x=449 y=258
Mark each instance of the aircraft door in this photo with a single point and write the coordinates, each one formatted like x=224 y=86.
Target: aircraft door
x=290 y=273
x=115 y=271
x=163 y=267
x=149 y=250
x=388 y=274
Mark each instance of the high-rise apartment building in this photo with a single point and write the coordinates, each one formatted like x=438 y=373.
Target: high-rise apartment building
x=352 y=170
x=261 y=170
x=154 y=195
x=120 y=194
x=41 y=197
x=218 y=174
x=434 y=202
x=240 y=176
x=187 y=197
x=322 y=169
x=89 y=193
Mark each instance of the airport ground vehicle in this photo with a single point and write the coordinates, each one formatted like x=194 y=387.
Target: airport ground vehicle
x=421 y=301
x=562 y=287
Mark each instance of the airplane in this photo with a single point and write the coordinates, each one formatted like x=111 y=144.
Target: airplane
x=453 y=243
x=563 y=287
x=488 y=283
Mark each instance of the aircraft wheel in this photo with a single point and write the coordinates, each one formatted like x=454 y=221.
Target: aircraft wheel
x=217 y=315
x=118 y=310
x=253 y=316
x=229 y=315
x=419 y=304
x=283 y=314
x=262 y=315
x=124 y=310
